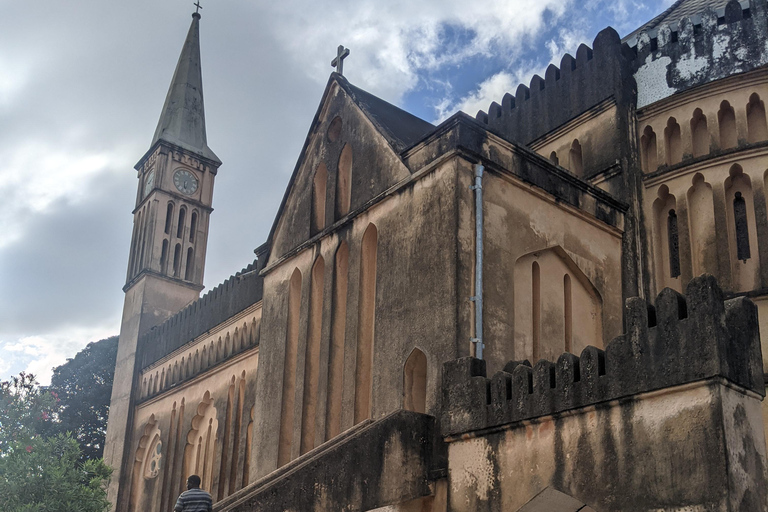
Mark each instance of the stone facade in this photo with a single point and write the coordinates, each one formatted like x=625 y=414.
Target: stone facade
x=337 y=372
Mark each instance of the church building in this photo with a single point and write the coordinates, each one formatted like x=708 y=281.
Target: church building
x=554 y=306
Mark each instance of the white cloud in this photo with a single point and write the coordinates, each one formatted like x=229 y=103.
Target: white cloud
x=390 y=49
x=39 y=354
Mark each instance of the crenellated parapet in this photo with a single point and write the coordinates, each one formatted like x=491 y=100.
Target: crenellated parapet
x=578 y=84
x=221 y=303
x=678 y=340
x=701 y=48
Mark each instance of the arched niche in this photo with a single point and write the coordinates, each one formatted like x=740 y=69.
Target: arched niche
x=319 y=192
x=336 y=349
x=147 y=465
x=673 y=143
x=742 y=230
x=575 y=158
x=757 y=130
x=726 y=120
x=366 y=324
x=649 y=150
x=200 y=449
x=699 y=134
x=415 y=382
x=542 y=296
x=665 y=242
x=344 y=182
x=289 y=369
x=701 y=220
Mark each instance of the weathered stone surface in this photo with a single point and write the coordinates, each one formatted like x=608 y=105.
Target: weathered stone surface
x=379 y=463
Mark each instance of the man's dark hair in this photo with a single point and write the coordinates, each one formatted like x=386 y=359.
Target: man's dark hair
x=193 y=482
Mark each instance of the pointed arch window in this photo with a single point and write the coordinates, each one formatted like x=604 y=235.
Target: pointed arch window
x=673 y=244
x=553 y=158
x=743 y=252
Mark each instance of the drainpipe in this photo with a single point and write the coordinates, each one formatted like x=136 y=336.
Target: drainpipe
x=478 y=297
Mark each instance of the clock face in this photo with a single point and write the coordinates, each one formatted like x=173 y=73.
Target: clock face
x=149 y=183
x=185 y=182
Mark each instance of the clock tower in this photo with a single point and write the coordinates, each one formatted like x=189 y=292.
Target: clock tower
x=170 y=235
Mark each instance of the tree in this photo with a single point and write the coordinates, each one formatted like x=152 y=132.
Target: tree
x=41 y=471
x=84 y=386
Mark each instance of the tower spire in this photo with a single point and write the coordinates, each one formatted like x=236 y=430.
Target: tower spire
x=182 y=121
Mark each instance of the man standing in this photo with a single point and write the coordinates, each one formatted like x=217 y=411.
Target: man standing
x=194 y=499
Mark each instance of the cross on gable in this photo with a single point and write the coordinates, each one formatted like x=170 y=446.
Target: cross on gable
x=338 y=63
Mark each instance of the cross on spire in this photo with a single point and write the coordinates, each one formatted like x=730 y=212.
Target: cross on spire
x=197 y=7
x=338 y=63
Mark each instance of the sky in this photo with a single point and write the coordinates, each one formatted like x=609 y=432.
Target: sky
x=82 y=84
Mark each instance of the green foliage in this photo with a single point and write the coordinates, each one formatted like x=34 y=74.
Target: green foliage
x=46 y=476
x=26 y=412
x=40 y=471
x=84 y=386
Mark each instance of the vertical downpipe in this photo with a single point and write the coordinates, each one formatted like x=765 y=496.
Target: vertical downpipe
x=478 y=297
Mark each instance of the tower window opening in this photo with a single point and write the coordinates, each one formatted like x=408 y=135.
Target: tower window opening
x=182 y=218
x=189 y=269
x=192 y=227
x=164 y=258
x=168 y=218
x=176 y=260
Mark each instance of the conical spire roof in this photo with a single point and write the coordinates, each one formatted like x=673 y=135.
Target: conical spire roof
x=182 y=121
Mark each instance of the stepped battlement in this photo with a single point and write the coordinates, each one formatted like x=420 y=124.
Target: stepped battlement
x=594 y=75
x=225 y=300
x=679 y=340
x=662 y=60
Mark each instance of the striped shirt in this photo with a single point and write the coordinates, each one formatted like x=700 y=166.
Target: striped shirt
x=194 y=500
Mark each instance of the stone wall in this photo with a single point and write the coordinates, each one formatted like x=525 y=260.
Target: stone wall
x=680 y=340
x=667 y=418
